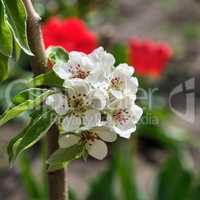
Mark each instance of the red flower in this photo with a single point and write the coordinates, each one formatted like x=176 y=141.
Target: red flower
x=72 y=34
x=148 y=57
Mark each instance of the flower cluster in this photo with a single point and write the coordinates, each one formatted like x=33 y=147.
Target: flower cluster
x=98 y=103
x=149 y=57
x=72 y=34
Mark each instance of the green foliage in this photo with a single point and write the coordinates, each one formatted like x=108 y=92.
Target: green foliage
x=16 y=15
x=47 y=79
x=63 y=155
x=3 y=67
x=24 y=106
x=29 y=94
x=5 y=34
x=57 y=54
x=36 y=129
x=125 y=172
x=102 y=187
x=174 y=180
x=13 y=34
x=31 y=185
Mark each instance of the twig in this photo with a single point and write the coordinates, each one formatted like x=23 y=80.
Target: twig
x=56 y=180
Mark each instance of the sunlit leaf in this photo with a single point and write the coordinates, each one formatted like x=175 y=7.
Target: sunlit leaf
x=35 y=131
x=16 y=15
x=3 y=67
x=57 y=54
x=28 y=94
x=47 y=79
x=5 y=34
x=27 y=105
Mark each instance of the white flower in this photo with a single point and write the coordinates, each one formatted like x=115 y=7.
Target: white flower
x=123 y=116
x=92 y=139
x=78 y=66
x=121 y=81
x=58 y=102
x=103 y=63
x=81 y=105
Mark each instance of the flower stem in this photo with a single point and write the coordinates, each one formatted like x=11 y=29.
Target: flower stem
x=56 y=180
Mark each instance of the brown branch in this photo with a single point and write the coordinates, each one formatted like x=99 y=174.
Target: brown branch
x=56 y=180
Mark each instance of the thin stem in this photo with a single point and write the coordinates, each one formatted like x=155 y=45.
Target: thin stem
x=56 y=180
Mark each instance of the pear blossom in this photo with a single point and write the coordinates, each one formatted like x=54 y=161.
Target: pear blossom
x=123 y=116
x=93 y=141
x=80 y=105
x=98 y=102
x=122 y=82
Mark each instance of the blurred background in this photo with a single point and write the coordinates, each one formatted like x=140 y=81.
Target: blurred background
x=161 y=161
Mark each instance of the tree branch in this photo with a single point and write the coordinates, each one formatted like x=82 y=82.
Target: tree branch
x=56 y=180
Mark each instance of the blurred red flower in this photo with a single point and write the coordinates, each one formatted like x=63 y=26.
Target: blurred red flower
x=72 y=34
x=149 y=57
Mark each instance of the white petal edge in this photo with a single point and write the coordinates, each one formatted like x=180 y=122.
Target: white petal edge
x=105 y=134
x=57 y=102
x=61 y=70
x=98 y=149
x=92 y=118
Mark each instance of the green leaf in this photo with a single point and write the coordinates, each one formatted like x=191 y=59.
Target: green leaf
x=28 y=179
x=27 y=105
x=35 y=131
x=57 y=54
x=13 y=144
x=174 y=180
x=47 y=79
x=64 y=155
x=28 y=94
x=5 y=34
x=16 y=15
x=102 y=187
x=3 y=67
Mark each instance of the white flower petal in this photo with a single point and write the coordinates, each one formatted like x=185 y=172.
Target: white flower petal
x=58 y=102
x=68 y=140
x=131 y=85
x=105 y=134
x=71 y=123
x=98 y=149
x=125 y=131
x=92 y=118
x=124 y=69
x=137 y=113
x=76 y=86
x=61 y=69
x=99 y=99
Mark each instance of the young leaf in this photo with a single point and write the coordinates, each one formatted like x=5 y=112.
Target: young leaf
x=13 y=144
x=57 y=54
x=27 y=105
x=3 y=67
x=5 y=34
x=47 y=79
x=35 y=131
x=16 y=15
x=28 y=94
x=64 y=155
